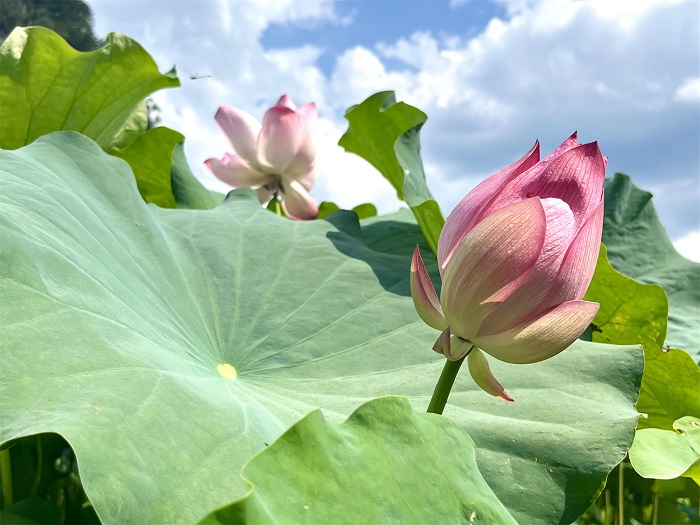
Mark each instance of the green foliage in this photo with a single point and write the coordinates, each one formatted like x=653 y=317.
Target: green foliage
x=630 y=312
x=633 y=312
x=326 y=208
x=151 y=158
x=128 y=314
x=188 y=192
x=669 y=388
x=667 y=454
x=46 y=86
x=363 y=211
x=376 y=467
x=639 y=248
x=386 y=134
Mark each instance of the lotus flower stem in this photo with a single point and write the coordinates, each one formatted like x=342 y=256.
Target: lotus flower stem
x=276 y=206
x=444 y=386
x=6 y=478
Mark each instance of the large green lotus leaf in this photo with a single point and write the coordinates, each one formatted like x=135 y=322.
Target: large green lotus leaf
x=122 y=321
x=639 y=247
x=385 y=464
x=387 y=135
x=668 y=454
x=134 y=126
x=46 y=86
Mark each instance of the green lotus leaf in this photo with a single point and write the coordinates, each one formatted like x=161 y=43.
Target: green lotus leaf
x=639 y=247
x=632 y=312
x=668 y=454
x=168 y=346
x=385 y=463
x=189 y=193
x=162 y=174
x=151 y=158
x=669 y=388
x=363 y=211
x=46 y=86
x=326 y=208
x=386 y=133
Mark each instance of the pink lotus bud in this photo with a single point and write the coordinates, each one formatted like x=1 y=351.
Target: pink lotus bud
x=276 y=158
x=516 y=257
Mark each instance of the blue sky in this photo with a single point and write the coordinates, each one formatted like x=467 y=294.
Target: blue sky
x=382 y=21
x=493 y=76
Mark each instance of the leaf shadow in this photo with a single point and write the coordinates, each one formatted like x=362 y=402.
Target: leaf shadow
x=386 y=245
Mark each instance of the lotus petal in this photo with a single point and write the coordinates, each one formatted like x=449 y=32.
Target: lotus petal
x=297 y=203
x=424 y=297
x=452 y=347
x=442 y=344
x=281 y=137
x=530 y=298
x=286 y=101
x=481 y=373
x=264 y=195
x=576 y=177
x=242 y=130
x=490 y=263
x=233 y=170
x=468 y=212
x=578 y=266
x=543 y=338
x=301 y=167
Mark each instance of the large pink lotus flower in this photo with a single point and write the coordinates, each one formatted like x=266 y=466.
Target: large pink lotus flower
x=277 y=158
x=516 y=257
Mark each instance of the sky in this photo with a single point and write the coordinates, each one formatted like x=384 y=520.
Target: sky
x=493 y=76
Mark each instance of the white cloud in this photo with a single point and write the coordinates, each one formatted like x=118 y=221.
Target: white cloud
x=689 y=91
x=689 y=245
x=619 y=72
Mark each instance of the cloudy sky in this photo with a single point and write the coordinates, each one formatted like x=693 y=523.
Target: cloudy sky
x=493 y=76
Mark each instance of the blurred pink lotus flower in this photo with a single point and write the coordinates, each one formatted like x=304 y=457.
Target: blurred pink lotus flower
x=277 y=158
x=516 y=257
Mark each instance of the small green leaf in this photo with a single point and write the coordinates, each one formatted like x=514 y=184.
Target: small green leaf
x=46 y=86
x=326 y=208
x=151 y=158
x=189 y=193
x=386 y=133
x=365 y=211
x=668 y=454
x=385 y=464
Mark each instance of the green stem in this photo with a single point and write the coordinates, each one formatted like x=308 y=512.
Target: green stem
x=444 y=386
x=277 y=206
x=6 y=478
x=621 y=493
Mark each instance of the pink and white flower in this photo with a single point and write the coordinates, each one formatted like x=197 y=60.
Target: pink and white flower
x=516 y=257
x=277 y=158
